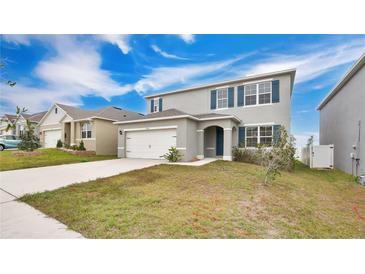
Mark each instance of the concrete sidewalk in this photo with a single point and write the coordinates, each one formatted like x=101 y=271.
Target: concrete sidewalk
x=21 y=221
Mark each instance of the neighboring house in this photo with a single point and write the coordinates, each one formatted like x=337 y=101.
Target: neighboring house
x=5 y=120
x=342 y=120
x=209 y=120
x=20 y=123
x=94 y=127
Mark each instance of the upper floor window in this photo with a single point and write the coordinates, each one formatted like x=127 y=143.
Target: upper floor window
x=156 y=104
x=222 y=98
x=250 y=94
x=260 y=93
x=262 y=135
x=55 y=110
x=86 y=130
x=265 y=93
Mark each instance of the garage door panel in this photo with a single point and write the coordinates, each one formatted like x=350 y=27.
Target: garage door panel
x=150 y=144
x=51 y=137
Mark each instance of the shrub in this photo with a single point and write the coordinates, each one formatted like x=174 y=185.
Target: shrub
x=245 y=155
x=82 y=146
x=173 y=155
x=59 y=144
x=74 y=147
x=29 y=140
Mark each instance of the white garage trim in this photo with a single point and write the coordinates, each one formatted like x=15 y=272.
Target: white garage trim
x=48 y=129
x=149 y=128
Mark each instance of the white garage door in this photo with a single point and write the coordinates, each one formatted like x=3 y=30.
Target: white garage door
x=51 y=137
x=149 y=144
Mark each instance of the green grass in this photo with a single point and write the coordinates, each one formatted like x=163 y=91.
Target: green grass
x=48 y=157
x=219 y=200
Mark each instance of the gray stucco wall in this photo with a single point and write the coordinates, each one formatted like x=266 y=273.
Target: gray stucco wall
x=339 y=122
x=198 y=101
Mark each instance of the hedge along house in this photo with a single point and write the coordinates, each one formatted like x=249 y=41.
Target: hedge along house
x=209 y=120
x=72 y=125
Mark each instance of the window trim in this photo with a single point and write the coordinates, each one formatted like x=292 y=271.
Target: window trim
x=82 y=130
x=221 y=89
x=259 y=134
x=257 y=94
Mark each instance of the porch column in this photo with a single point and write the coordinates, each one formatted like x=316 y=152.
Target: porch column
x=72 y=133
x=227 y=147
x=200 y=133
x=63 y=130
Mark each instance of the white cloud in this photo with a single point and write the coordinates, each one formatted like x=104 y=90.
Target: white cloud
x=164 y=77
x=120 y=40
x=165 y=54
x=74 y=71
x=313 y=64
x=17 y=39
x=188 y=38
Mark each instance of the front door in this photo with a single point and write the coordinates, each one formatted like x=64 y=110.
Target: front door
x=219 y=141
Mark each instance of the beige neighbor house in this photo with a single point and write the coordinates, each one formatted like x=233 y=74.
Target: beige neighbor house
x=209 y=120
x=94 y=127
x=20 y=123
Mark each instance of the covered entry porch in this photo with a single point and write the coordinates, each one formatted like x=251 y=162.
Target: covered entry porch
x=216 y=138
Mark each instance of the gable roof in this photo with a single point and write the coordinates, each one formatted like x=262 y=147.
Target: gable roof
x=10 y=117
x=291 y=72
x=108 y=113
x=353 y=70
x=36 y=117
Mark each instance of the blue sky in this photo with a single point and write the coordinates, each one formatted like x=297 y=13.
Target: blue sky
x=93 y=71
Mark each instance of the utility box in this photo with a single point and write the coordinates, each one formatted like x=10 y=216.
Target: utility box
x=320 y=156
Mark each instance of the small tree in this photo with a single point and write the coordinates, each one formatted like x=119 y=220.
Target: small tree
x=59 y=143
x=29 y=140
x=82 y=146
x=279 y=157
x=173 y=155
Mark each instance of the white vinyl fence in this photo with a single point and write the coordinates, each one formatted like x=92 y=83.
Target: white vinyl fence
x=320 y=156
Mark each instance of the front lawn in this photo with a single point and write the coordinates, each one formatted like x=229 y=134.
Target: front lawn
x=219 y=200
x=48 y=157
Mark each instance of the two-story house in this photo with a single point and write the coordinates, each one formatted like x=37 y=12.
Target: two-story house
x=342 y=120
x=209 y=120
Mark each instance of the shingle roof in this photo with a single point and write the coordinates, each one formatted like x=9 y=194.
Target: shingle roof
x=110 y=112
x=175 y=112
x=10 y=117
x=36 y=117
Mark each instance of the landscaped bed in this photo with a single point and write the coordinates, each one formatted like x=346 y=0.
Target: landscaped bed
x=218 y=200
x=10 y=160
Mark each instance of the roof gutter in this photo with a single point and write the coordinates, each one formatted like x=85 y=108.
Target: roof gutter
x=177 y=117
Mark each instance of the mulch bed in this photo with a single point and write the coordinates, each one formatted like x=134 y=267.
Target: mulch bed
x=79 y=152
x=26 y=153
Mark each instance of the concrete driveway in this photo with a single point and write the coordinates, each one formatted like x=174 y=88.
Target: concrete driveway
x=18 y=220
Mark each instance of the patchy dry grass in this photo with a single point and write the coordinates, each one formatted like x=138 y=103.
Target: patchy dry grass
x=47 y=157
x=219 y=200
